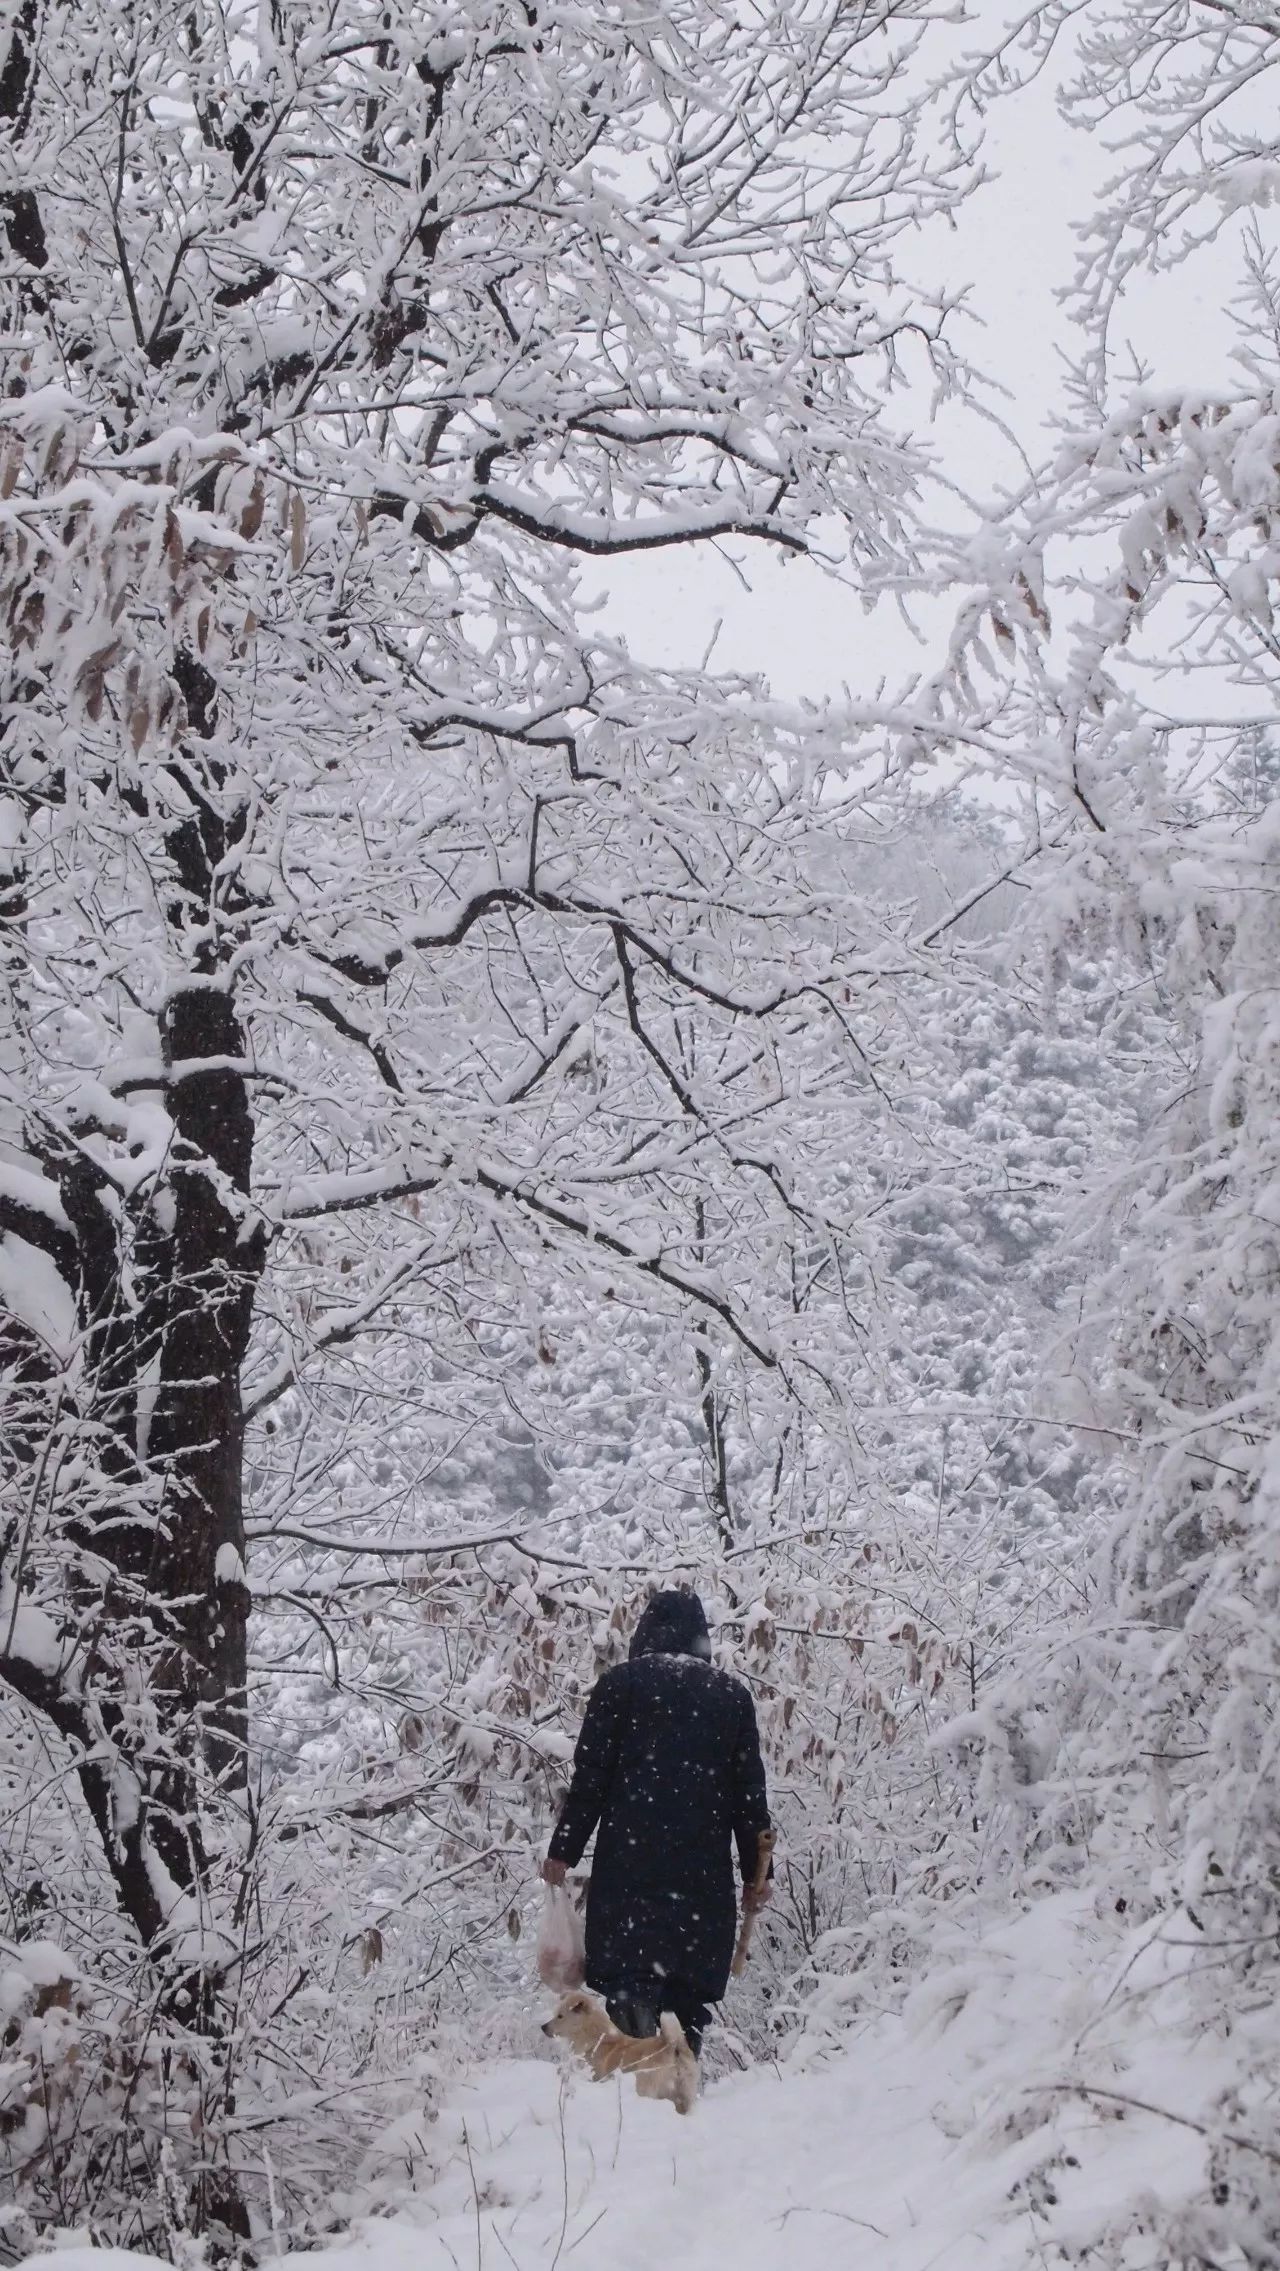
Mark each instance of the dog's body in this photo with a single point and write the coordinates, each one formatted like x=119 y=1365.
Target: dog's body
x=663 y=2064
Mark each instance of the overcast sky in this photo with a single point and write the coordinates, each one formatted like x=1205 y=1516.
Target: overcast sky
x=1014 y=243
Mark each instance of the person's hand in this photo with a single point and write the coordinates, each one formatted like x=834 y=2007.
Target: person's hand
x=756 y=1897
x=554 y=1872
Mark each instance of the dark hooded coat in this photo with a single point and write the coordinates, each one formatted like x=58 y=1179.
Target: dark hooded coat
x=668 y=1766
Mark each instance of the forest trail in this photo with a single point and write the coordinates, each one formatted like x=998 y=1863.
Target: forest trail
x=932 y=2139
x=1043 y=2094
x=844 y=2166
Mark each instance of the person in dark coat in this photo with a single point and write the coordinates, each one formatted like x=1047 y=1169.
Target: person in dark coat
x=668 y=1765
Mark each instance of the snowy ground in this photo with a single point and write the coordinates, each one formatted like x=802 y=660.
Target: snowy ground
x=959 y=2135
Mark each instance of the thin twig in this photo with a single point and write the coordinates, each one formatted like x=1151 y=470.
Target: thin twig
x=564 y=2180
x=1162 y=2113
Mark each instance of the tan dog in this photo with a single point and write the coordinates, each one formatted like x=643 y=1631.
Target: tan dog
x=663 y=2064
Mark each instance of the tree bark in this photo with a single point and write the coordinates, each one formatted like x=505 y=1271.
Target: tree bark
x=197 y=1429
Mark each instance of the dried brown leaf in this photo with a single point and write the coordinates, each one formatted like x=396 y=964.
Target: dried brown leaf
x=29 y=621
x=251 y=517
x=1032 y=601
x=92 y=677
x=51 y=464
x=174 y=550
x=297 y=531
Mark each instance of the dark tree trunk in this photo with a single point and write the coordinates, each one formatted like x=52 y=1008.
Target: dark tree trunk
x=197 y=1428
x=216 y=1250
x=165 y=1284
x=163 y=1587
x=151 y=1688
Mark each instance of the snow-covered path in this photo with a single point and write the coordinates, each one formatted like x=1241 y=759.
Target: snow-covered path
x=1004 y=2116
x=775 y=2169
x=928 y=2142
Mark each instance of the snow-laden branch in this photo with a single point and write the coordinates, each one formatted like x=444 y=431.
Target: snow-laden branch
x=31 y=1209
x=427 y=1547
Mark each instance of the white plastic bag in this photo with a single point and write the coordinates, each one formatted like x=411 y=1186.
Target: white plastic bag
x=562 y=1952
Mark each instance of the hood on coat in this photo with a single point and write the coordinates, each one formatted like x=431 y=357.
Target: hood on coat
x=674 y=1624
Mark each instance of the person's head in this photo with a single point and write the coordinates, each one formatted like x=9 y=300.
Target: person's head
x=674 y=1624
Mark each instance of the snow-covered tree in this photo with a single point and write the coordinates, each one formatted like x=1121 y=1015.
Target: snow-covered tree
x=1134 y=586
x=388 y=959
